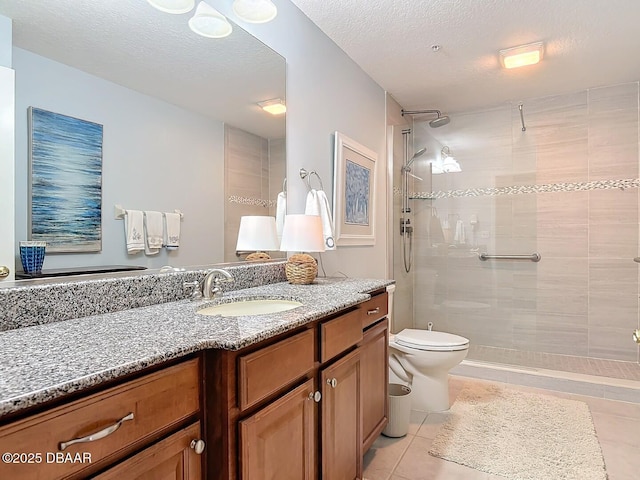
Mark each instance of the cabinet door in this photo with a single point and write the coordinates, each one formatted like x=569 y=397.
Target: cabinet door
x=172 y=458
x=278 y=442
x=374 y=371
x=340 y=420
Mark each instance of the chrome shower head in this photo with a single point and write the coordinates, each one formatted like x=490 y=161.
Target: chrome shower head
x=436 y=122
x=440 y=121
x=418 y=153
x=407 y=167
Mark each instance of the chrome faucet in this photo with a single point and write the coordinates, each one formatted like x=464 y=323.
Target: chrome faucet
x=209 y=286
x=212 y=280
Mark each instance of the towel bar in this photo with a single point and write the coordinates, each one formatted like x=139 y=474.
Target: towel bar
x=120 y=212
x=534 y=257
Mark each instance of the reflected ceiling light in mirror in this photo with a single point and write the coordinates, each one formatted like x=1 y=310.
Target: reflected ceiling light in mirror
x=173 y=6
x=210 y=23
x=522 y=55
x=274 y=106
x=255 y=11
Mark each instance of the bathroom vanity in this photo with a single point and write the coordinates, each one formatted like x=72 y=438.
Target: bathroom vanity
x=163 y=392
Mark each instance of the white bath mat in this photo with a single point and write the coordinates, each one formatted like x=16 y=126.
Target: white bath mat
x=521 y=436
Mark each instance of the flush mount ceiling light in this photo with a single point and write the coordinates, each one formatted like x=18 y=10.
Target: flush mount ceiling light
x=209 y=23
x=255 y=11
x=522 y=55
x=275 y=106
x=173 y=6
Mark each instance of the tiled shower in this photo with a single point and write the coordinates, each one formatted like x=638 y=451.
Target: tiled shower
x=561 y=180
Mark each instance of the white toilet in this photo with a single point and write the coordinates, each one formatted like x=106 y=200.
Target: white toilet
x=422 y=359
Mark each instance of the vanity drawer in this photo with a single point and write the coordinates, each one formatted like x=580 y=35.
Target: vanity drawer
x=267 y=370
x=144 y=408
x=374 y=309
x=339 y=334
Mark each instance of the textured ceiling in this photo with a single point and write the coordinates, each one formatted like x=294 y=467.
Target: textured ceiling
x=130 y=43
x=587 y=43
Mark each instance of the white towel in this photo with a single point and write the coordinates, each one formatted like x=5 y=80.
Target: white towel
x=171 y=231
x=281 y=211
x=460 y=237
x=318 y=204
x=133 y=231
x=153 y=232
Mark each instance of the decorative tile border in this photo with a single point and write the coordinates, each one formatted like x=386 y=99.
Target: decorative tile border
x=531 y=189
x=251 y=201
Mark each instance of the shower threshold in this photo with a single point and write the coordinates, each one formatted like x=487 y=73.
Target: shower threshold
x=611 y=379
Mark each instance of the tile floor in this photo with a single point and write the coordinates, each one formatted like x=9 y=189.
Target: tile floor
x=617 y=425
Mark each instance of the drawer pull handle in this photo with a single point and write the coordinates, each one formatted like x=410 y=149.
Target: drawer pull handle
x=98 y=435
x=198 y=446
x=374 y=311
x=332 y=382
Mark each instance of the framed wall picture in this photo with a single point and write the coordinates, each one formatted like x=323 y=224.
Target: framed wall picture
x=353 y=192
x=65 y=182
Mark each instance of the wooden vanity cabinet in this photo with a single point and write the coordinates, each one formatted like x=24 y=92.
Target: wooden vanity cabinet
x=304 y=405
x=141 y=422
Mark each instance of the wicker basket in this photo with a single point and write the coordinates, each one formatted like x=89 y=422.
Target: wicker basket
x=257 y=256
x=301 y=269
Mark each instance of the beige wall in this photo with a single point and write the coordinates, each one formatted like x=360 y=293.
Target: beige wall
x=558 y=193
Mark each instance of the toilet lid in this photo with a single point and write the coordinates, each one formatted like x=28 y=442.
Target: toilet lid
x=430 y=340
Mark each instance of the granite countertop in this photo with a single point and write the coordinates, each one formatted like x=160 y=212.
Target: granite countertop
x=44 y=362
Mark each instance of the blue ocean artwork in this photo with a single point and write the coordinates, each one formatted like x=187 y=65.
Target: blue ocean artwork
x=66 y=182
x=356 y=194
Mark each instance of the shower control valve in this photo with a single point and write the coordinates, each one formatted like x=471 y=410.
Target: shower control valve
x=405 y=226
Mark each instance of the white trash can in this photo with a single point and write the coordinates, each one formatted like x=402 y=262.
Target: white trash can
x=399 y=410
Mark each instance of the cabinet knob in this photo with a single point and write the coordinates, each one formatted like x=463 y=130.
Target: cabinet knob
x=4 y=271
x=315 y=396
x=332 y=382
x=198 y=446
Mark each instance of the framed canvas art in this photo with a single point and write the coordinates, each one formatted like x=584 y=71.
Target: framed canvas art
x=353 y=192
x=65 y=182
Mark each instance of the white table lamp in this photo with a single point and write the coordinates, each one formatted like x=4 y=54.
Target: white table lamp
x=302 y=233
x=257 y=234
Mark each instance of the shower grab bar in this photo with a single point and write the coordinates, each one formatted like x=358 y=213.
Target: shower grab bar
x=534 y=257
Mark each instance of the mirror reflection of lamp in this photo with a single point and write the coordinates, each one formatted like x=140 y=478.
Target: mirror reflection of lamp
x=257 y=233
x=302 y=233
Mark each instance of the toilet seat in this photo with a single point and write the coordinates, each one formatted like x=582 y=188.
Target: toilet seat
x=431 y=341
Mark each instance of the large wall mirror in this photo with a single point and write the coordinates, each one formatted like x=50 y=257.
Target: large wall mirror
x=182 y=128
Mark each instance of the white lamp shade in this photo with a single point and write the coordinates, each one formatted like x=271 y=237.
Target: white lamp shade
x=255 y=11
x=173 y=6
x=210 y=23
x=257 y=233
x=302 y=233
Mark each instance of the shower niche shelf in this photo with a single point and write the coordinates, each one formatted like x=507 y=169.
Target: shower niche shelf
x=420 y=197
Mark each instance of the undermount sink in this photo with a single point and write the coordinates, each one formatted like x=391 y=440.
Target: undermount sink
x=250 y=307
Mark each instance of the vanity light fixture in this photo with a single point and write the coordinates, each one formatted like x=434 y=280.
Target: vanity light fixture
x=522 y=55
x=449 y=164
x=173 y=6
x=275 y=106
x=209 y=23
x=255 y=11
